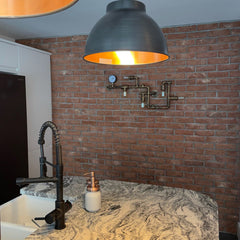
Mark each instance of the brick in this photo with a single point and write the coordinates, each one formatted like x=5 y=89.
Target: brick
x=201 y=34
x=194 y=139
x=235 y=59
x=206 y=95
x=218 y=47
x=220 y=32
x=196 y=101
x=206 y=41
x=198 y=48
x=193 y=144
x=176 y=36
x=210 y=26
x=218 y=60
x=209 y=54
x=185 y=42
x=217 y=101
x=184 y=132
x=193 y=163
x=197 y=88
x=228 y=39
x=195 y=62
x=185 y=69
x=204 y=133
x=228 y=53
x=229 y=24
x=185 y=56
x=235 y=74
x=206 y=68
x=197 y=115
x=197 y=75
x=174 y=174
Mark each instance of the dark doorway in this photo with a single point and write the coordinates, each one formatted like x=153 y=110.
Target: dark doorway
x=13 y=134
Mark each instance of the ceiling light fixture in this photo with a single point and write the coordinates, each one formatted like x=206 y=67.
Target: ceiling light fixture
x=126 y=35
x=30 y=8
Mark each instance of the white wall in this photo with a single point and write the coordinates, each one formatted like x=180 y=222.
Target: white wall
x=35 y=66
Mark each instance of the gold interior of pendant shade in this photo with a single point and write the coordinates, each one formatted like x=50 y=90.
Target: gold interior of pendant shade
x=126 y=57
x=29 y=8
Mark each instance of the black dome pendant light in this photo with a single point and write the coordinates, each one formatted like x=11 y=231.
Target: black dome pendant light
x=126 y=35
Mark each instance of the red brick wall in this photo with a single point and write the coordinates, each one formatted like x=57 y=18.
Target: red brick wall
x=193 y=145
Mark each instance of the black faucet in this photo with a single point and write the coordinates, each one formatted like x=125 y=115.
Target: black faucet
x=61 y=207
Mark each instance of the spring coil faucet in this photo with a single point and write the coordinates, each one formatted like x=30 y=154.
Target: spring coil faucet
x=61 y=207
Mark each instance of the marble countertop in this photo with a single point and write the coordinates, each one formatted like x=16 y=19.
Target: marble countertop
x=131 y=211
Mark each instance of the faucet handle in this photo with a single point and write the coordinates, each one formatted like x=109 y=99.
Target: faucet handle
x=57 y=213
x=53 y=215
x=39 y=218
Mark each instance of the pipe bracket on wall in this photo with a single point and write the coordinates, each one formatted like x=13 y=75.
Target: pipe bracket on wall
x=147 y=93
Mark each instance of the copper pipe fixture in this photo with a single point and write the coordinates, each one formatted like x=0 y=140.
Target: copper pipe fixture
x=147 y=93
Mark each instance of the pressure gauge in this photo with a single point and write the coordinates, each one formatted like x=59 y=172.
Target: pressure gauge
x=112 y=78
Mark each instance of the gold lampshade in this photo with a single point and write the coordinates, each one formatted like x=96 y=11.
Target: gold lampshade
x=32 y=8
x=126 y=57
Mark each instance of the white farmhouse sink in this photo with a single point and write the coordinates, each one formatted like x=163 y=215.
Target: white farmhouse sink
x=10 y=231
x=17 y=216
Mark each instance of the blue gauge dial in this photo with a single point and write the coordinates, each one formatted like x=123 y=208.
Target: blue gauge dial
x=112 y=78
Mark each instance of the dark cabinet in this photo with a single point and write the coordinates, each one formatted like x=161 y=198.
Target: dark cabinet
x=13 y=134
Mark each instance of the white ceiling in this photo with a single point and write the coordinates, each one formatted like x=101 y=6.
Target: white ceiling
x=81 y=17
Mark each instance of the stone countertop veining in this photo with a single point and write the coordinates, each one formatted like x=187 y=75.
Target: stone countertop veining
x=131 y=211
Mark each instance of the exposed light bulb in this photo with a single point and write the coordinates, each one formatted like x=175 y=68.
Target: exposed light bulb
x=125 y=57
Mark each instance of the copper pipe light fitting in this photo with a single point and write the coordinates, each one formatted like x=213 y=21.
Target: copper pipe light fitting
x=126 y=35
x=32 y=8
x=146 y=93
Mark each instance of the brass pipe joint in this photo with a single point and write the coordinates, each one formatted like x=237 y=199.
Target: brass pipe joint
x=145 y=95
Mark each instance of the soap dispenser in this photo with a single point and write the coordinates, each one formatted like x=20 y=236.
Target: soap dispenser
x=93 y=194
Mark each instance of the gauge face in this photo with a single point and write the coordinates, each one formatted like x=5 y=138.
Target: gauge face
x=112 y=78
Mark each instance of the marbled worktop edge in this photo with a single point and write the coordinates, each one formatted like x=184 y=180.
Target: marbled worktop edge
x=74 y=187
x=132 y=211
